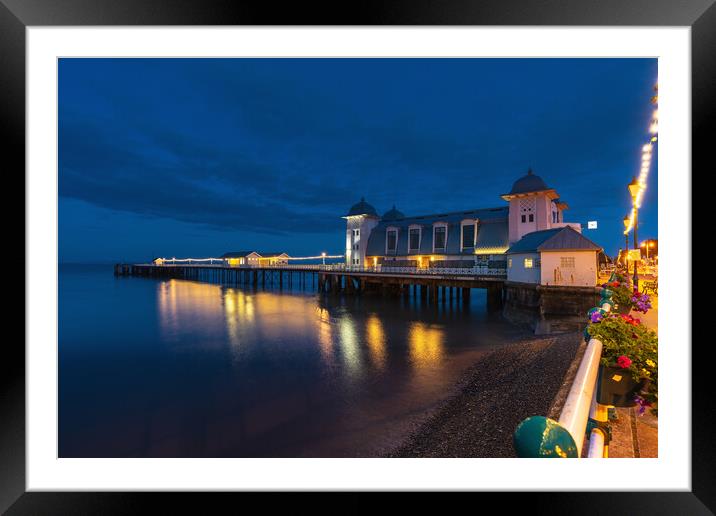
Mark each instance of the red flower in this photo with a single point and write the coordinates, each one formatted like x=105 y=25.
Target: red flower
x=623 y=361
x=630 y=320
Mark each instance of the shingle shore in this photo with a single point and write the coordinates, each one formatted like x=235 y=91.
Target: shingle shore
x=499 y=390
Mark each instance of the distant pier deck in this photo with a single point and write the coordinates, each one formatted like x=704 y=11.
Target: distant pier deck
x=431 y=284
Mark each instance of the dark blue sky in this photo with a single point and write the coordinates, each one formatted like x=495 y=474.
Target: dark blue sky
x=195 y=157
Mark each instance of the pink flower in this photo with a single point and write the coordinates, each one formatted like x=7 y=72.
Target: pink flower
x=623 y=361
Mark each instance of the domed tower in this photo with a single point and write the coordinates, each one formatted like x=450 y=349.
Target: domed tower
x=393 y=214
x=360 y=221
x=534 y=206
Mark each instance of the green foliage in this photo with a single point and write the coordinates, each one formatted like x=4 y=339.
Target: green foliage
x=621 y=290
x=625 y=336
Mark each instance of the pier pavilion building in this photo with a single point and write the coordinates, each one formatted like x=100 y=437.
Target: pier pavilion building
x=236 y=258
x=474 y=237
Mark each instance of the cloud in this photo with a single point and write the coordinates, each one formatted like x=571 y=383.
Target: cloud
x=286 y=146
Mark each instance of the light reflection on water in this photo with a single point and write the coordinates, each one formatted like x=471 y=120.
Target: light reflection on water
x=197 y=369
x=375 y=337
x=426 y=344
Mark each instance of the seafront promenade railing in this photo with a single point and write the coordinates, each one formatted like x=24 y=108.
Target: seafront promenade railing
x=539 y=436
x=581 y=404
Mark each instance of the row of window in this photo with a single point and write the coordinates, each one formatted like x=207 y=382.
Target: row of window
x=531 y=218
x=565 y=262
x=356 y=245
x=439 y=238
x=528 y=263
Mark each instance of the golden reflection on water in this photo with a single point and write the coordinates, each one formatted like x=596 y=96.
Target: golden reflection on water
x=350 y=345
x=426 y=344
x=239 y=312
x=217 y=312
x=325 y=333
x=184 y=305
x=375 y=336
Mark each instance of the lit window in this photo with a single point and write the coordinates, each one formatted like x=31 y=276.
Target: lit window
x=567 y=262
x=440 y=237
x=509 y=263
x=528 y=263
x=468 y=236
x=392 y=240
x=414 y=239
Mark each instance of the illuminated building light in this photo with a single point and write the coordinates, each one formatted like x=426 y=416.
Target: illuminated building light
x=491 y=250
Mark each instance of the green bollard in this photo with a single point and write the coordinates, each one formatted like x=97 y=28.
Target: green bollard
x=541 y=437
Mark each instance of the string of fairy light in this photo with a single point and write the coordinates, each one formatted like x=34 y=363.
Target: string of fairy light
x=190 y=260
x=646 y=154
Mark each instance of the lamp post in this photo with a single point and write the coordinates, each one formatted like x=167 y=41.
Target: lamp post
x=645 y=245
x=323 y=257
x=634 y=189
x=626 y=240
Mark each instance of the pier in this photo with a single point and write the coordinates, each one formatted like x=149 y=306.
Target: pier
x=431 y=284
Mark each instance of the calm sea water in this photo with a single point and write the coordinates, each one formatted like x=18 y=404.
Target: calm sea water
x=152 y=368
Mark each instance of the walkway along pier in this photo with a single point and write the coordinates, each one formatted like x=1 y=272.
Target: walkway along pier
x=430 y=284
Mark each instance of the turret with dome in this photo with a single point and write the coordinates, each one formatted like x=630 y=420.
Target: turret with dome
x=534 y=206
x=393 y=214
x=360 y=220
x=362 y=208
x=529 y=183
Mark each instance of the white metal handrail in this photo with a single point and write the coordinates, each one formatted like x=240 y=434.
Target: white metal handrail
x=581 y=403
x=575 y=412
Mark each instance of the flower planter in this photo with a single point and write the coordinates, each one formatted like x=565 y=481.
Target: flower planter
x=615 y=386
x=623 y=309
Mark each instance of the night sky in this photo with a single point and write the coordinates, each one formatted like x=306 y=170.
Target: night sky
x=196 y=157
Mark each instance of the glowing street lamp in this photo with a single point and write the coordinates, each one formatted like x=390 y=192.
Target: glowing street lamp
x=627 y=221
x=634 y=189
x=646 y=245
x=323 y=256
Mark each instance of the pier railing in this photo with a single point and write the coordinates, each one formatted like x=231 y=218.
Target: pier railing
x=341 y=267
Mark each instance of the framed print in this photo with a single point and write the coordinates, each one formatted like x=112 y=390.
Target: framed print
x=413 y=249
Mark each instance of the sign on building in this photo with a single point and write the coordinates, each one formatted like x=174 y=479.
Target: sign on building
x=592 y=224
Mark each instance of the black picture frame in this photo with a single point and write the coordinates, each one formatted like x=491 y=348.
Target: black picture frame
x=16 y=15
